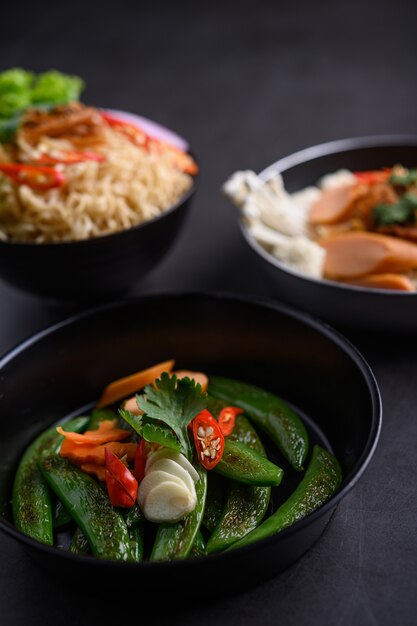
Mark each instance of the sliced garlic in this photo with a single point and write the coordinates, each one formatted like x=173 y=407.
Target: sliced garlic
x=153 y=479
x=168 y=502
x=175 y=469
x=164 y=453
x=167 y=493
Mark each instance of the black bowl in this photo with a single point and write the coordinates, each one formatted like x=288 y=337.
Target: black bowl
x=93 y=269
x=341 y=304
x=63 y=369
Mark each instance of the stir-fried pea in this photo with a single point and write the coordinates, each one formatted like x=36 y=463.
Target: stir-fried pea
x=79 y=543
x=31 y=502
x=245 y=465
x=245 y=505
x=321 y=480
x=90 y=507
x=269 y=413
x=174 y=541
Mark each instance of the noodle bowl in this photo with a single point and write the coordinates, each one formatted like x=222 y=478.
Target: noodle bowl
x=132 y=184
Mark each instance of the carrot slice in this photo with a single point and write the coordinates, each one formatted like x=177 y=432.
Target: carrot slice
x=132 y=406
x=95 y=437
x=99 y=471
x=397 y=282
x=80 y=455
x=199 y=377
x=128 y=385
x=355 y=254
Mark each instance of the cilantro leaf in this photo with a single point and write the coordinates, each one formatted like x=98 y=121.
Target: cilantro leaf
x=175 y=403
x=402 y=212
x=162 y=435
x=403 y=177
x=150 y=431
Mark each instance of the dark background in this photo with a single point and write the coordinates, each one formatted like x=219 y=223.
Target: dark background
x=246 y=83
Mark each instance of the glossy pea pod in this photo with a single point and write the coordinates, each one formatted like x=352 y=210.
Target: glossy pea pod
x=269 y=413
x=175 y=541
x=90 y=507
x=136 y=543
x=61 y=517
x=321 y=480
x=31 y=501
x=245 y=505
x=246 y=465
x=199 y=546
x=79 y=543
x=214 y=501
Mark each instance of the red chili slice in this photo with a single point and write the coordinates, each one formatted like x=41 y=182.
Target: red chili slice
x=140 y=461
x=227 y=418
x=35 y=177
x=134 y=133
x=69 y=157
x=180 y=159
x=122 y=486
x=208 y=439
x=373 y=177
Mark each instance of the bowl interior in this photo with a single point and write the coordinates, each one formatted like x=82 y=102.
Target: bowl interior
x=308 y=166
x=62 y=371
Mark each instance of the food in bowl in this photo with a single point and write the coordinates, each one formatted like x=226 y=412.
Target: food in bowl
x=179 y=471
x=357 y=228
x=72 y=172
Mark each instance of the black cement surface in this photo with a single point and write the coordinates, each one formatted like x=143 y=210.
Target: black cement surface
x=246 y=83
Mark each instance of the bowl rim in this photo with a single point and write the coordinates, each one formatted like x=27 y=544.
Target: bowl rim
x=308 y=154
x=255 y=301
x=120 y=233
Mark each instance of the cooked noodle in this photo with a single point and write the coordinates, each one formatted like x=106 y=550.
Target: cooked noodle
x=131 y=186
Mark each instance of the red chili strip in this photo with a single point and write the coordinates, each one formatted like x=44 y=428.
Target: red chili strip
x=122 y=486
x=36 y=177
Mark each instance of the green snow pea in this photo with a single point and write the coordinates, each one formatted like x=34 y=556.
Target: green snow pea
x=214 y=501
x=79 y=543
x=31 y=502
x=199 y=546
x=175 y=541
x=245 y=465
x=321 y=480
x=136 y=543
x=61 y=517
x=245 y=505
x=90 y=507
x=267 y=412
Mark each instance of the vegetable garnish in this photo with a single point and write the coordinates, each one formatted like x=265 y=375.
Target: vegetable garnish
x=199 y=377
x=80 y=454
x=132 y=132
x=208 y=438
x=227 y=418
x=69 y=157
x=167 y=492
x=403 y=177
x=20 y=90
x=122 y=486
x=128 y=385
x=105 y=433
x=36 y=177
x=402 y=212
x=168 y=409
x=180 y=159
x=140 y=460
x=373 y=177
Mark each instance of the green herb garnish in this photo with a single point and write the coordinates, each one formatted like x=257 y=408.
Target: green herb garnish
x=168 y=409
x=20 y=90
x=402 y=177
x=402 y=212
